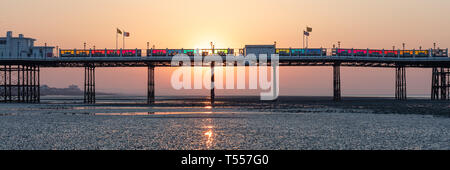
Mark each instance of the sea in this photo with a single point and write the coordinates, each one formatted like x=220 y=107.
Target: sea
x=121 y=122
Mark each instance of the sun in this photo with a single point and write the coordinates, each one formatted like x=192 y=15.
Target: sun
x=202 y=46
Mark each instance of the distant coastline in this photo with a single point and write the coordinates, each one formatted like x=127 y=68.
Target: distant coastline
x=71 y=90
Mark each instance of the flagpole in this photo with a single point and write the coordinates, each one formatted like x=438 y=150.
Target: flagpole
x=117 y=39
x=303 y=33
x=307 y=38
x=123 y=42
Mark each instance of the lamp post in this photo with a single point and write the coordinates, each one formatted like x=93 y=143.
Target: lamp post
x=148 y=50
x=212 y=47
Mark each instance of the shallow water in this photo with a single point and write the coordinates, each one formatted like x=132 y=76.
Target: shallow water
x=232 y=123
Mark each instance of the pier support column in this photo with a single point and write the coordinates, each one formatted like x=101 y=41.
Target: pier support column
x=275 y=80
x=337 y=82
x=445 y=83
x=27 y=84
x=435 y=84
x=38 y=84
x=89 y=84
x=150 y=84
x=400 y=83
x=440 y=84
x=4 y=83
x=19 y=83
x=33 y=84
x=212 y=82
x=19 y=95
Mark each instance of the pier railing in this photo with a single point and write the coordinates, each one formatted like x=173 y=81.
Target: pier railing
x=280 y=51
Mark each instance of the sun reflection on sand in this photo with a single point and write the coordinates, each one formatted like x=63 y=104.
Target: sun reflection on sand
x=209 y=138
x=209 y=134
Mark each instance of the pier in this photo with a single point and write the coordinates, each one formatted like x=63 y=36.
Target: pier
x=20 y=76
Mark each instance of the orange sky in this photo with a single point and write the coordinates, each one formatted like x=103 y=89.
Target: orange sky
x=232 y=24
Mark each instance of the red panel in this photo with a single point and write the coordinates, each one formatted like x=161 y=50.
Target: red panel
x=159 y=51
x=359 y=51
x=391 y=51
x=376 y=51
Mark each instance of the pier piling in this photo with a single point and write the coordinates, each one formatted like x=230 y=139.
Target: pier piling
x=89 y=84
x=20 y=83
x=337 y=81
x=440 y=84
x=150 y=84
x=212 y=83
x=400 y=83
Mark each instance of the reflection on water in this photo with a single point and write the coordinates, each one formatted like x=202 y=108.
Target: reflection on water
x=209 y=109
x=153 y=113
x=209 y=138
x=209 y=134
x=136 y=107
x=125 y=114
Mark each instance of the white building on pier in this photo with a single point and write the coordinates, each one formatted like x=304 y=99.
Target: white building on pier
x=22 y=47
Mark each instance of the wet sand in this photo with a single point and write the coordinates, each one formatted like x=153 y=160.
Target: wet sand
x=233 y=123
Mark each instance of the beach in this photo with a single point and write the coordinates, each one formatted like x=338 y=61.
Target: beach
x=243 y=123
